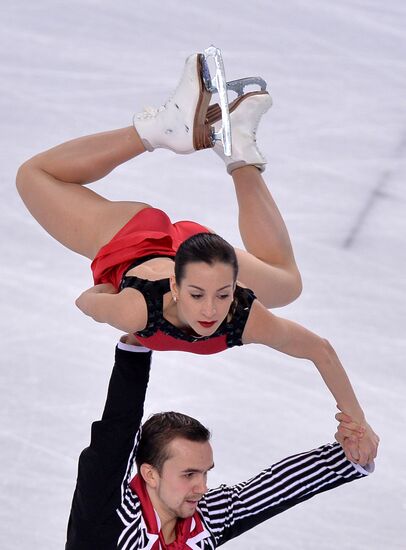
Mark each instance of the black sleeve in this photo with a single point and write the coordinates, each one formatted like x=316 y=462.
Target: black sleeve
x=93 y=522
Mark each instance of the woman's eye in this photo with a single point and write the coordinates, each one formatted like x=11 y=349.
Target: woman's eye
x=224 y=296
x=196 y=296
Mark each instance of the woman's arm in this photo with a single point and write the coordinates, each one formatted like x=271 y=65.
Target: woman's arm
x=125 y=310
x=288 y=337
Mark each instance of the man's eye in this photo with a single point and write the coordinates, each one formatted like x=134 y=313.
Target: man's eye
x=188 y=476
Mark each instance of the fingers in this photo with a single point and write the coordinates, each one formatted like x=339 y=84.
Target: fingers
x=349 y=422
x=360 y=445
x=341 y=437
x=348 y=430
x=367 y=449
x=347 y=427
x=351 y=450
x=363 y=456
x=342 y=417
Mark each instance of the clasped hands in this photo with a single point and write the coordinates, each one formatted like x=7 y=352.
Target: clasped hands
x=359 y=441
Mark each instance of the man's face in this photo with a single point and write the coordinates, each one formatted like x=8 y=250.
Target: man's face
x=183 y=479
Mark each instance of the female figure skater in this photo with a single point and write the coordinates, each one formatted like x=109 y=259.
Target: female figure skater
x=192 y=302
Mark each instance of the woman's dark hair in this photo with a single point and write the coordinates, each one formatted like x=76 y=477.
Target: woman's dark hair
x=162 y=428
x=204 y=247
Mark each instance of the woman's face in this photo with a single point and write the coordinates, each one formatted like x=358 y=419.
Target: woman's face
x=204 y=296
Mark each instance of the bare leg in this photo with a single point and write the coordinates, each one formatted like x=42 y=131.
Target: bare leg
x=51 y=186
x=269 y=267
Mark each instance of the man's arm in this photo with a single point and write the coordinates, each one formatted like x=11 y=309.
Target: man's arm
x=104 y=465
x=230 y=511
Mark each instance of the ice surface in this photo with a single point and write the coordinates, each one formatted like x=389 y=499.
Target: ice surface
x=336 y=140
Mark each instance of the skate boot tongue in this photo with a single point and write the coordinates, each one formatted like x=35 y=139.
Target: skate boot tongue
x=245 y=117
x=215 y=82
x=180 y=124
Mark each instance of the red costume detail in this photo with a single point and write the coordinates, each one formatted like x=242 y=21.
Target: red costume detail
x=160 y=341
x=150 y=231
x=186 y=528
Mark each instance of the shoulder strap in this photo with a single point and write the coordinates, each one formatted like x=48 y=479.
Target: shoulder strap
x=153 y=292
x=240 y=310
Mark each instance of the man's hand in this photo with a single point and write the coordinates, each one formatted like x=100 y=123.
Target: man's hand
x=348 y=435
x=359 y=441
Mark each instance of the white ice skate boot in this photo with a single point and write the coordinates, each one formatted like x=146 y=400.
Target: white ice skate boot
x=180 y=124
x=245 y=114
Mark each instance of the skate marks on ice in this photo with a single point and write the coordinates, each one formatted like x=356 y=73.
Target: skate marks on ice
x=377 y=193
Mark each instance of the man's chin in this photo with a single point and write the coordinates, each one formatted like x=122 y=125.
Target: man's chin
x=184 y=515
x=188 y=509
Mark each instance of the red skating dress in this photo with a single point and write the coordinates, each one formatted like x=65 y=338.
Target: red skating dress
x=150 y=234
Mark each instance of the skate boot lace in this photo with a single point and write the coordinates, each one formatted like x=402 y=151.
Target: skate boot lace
x=150 y=112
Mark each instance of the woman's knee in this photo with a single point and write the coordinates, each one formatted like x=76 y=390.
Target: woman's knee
x=280 y=290
x=22 y=178
x=296 y=286
x=293 y=286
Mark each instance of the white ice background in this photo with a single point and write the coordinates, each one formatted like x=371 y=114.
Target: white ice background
x=336 y=142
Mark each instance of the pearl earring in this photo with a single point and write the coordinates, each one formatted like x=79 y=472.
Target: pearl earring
x=175 y=299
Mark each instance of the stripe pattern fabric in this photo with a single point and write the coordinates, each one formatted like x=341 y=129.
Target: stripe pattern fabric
x=228 y=511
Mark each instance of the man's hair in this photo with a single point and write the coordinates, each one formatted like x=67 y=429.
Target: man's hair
x=204 y=247
x=162 y=428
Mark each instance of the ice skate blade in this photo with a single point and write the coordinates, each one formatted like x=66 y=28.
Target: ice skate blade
x=238 y=86
x=202 y=133
x=218 y=83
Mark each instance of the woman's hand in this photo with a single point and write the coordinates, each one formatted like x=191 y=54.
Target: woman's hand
x=83 y=300
x=105 y=288
x=368 y=446
x=125 y=310
x=359 y=441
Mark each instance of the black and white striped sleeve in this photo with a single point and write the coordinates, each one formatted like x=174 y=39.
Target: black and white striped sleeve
x=229 y=511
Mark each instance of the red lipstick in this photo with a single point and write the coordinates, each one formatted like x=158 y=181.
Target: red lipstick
x=207 y=324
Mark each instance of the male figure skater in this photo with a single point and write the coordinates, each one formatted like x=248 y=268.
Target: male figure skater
x=166 y=504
